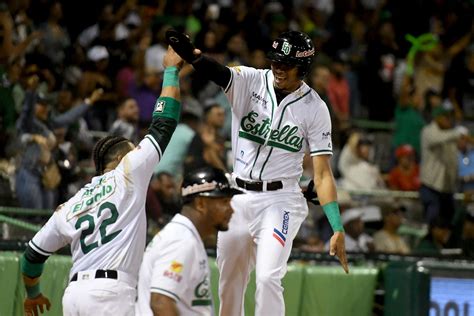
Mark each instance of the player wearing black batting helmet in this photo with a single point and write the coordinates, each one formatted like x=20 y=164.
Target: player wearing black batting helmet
x=174 y=275
x=278 y=119
x=293 y=48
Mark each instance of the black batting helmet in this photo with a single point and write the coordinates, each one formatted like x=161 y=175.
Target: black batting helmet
x=293 y=48
x=206 y=181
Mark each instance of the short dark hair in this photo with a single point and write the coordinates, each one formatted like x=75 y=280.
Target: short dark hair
x=106 y=149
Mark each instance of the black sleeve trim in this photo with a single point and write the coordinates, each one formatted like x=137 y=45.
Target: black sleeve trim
x=212 y=70
x=33 y=256
x=161 y=129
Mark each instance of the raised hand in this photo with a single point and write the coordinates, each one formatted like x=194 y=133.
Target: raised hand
x=172 y=59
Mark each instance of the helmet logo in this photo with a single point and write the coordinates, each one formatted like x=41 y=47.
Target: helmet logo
x=286 y=48
x=305 y=53
x=197 y=188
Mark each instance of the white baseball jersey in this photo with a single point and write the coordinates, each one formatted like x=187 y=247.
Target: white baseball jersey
x=105 y=222
x=175 y=264
x=269 y=139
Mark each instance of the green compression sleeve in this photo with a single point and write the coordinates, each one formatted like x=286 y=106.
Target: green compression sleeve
x=32 y=270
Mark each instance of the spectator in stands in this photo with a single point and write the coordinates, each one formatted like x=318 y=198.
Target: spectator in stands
x=9 y=77
x=32 y=34
x=145 y=89
x=433 y=99
x=55 y=39
x=9 y=49
x=96 y=77
x=363 y=174
x=339 y=95
x=162 y=201
x=408 y=118
x=237 y=51
x=154 y=53
x=207 y=147
x=349 y=156
x=319 y=79
x=173 y=158
x=30 y=69
x=126 y=124
x=65 y=156
x=387 y=239
x=382 y=55
x=460 y=82
x=258 y=59
x=438 y=236
x=439 y=163
x=338 y=92
x=467 y=243
x=37 y=176
x=356 y=239
x=465 y=165
x=106 y=22
x=406 y=175
x=78 y=132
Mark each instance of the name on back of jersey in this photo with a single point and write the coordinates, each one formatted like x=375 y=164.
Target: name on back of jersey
x=92 y=196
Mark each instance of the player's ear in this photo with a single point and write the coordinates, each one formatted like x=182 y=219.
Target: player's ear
x=200 y=204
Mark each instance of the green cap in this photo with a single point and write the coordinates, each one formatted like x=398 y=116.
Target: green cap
x=443 y=109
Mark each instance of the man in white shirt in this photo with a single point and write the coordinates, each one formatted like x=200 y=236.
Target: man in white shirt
x=174 y=277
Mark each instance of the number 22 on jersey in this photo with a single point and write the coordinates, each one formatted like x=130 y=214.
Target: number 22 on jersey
x=91 y=224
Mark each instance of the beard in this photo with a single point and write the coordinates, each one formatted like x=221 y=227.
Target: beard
x=222 y=227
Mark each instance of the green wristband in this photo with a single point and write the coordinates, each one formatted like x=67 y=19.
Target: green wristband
x=33 y=291
x=167 y=107
x=171 y=77
x=32 y=270
x=334 y=217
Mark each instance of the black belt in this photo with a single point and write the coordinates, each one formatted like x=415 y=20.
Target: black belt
x=258 y=185
x=101 y=274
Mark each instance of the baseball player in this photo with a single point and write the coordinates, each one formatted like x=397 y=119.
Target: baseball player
x=105 y=221
x=174 y=277
x=277 y=117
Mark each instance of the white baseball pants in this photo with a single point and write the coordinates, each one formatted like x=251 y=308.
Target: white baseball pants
x=99 y=297
x=260 y=236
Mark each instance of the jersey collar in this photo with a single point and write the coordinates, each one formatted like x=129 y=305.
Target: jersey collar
x=183 y=220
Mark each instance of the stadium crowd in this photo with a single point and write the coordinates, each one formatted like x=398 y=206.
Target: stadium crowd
x=74 y=71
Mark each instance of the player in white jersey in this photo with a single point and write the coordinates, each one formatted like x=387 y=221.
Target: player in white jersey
x=105 y=222
x=277 y=117
x=174 y=277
